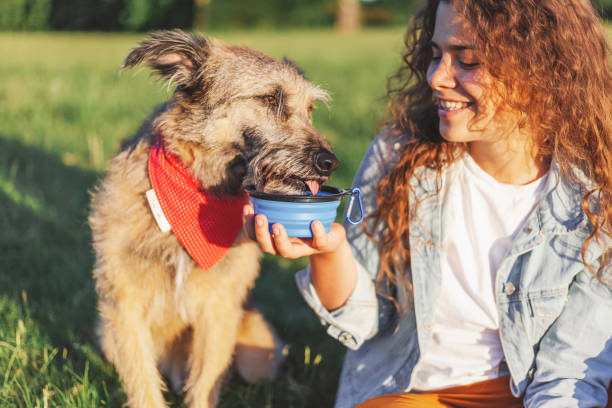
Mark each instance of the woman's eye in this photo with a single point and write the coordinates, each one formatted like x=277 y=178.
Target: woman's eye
x=271 y=100
x=468 y=59
x=469 y=65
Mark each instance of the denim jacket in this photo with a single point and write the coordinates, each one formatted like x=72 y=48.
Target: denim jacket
x=555 y=315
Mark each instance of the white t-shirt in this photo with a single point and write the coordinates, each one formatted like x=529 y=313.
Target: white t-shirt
x=479 y=219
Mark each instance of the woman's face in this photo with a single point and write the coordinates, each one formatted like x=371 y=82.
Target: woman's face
x=458 y=80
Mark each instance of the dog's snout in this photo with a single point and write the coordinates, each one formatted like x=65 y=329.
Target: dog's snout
x=325 y=162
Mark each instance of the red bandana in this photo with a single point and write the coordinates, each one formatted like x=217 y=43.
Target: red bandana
x=206 y=225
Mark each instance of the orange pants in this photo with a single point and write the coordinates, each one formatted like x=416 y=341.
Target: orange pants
x=486 y=394
x=491 y=393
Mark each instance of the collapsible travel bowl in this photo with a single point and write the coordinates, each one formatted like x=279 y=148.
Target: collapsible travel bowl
x=297 y=212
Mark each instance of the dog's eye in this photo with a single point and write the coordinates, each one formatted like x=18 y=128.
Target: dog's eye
x=271 y=100
x=310 y=108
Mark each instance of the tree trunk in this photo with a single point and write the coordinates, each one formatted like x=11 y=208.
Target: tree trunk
x=200 y=14
x=348 y=17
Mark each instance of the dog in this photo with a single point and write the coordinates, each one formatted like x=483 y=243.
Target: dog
x=237 y=120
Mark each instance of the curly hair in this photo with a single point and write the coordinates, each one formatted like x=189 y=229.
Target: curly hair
x=551 y=61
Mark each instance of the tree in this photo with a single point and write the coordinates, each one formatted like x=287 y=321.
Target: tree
x=348 y=17
x=200 y=14
x=603 y=7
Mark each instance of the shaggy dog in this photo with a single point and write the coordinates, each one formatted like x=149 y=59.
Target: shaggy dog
x=238 y=119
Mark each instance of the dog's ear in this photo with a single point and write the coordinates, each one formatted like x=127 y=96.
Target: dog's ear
x=175 y=55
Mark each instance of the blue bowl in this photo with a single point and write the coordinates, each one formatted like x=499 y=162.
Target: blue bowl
x=297 y=212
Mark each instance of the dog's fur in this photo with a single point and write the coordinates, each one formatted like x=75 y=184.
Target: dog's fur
x=238 y=118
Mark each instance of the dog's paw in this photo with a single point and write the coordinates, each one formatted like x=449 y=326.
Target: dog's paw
x=258 y=352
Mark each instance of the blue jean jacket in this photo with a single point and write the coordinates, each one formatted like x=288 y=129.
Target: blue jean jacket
x=555 y=316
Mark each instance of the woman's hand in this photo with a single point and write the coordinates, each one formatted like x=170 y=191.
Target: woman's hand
x=332 y=267
x=279 y=243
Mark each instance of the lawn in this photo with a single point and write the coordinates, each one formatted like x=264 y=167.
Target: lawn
x=64 y=108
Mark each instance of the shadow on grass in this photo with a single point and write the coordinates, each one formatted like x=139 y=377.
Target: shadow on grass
x=45 y=266
x=46 y=254
x=44 y=237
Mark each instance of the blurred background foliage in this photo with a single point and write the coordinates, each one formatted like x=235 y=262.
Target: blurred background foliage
x=604 y=7
x=142 y=15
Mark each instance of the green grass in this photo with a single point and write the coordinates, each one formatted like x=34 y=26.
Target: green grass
x=63 y=110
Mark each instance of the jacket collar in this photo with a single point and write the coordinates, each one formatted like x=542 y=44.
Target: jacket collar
x=560 y=209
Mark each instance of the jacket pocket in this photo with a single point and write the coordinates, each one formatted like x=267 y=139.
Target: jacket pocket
x=543 y=311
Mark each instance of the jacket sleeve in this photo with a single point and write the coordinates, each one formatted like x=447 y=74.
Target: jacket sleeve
x=359 y=318
x=574 y=361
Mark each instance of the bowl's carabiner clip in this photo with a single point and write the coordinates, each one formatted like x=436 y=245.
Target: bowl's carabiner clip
x=355 y=192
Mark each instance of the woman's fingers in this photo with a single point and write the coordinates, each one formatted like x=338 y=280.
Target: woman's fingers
x=262 y=234
x=320 y=242
x=248 y=222
x=256 y=227
x=319 y=236
x=283 y=245
x=291 y=247
x=325 y=242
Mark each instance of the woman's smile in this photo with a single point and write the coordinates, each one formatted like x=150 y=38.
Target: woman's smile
x=448 y=108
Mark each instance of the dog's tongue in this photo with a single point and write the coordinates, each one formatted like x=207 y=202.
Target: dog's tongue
x=313 y=186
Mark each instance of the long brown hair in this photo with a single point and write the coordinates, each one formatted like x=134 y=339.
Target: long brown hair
x=551 y=60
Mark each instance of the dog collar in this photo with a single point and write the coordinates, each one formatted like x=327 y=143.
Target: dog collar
x=206 y=225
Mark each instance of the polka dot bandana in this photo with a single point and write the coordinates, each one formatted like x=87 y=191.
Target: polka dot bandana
x=205 y=224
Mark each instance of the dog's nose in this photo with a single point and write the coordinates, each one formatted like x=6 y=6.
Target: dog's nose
x=325 y=162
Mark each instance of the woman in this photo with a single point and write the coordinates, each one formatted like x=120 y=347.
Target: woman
x=481 y=278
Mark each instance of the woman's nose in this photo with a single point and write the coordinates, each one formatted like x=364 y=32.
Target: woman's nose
x=441 y=74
